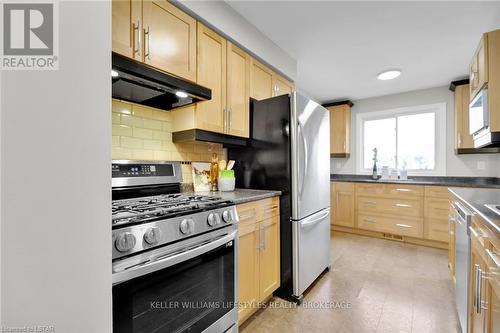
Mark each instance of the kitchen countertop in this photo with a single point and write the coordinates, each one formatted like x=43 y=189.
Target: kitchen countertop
x=239 y=196
x=475 y=199
x=483 y=182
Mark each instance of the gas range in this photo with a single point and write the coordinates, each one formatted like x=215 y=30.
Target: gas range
x=141 y=221
x=170 y=246
x=148 y=209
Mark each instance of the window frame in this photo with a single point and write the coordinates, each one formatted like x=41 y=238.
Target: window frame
x=439 y=109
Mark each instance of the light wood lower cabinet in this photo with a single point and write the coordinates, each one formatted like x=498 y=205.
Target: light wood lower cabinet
x=391 y=210
x=259 y=253
x=343 y=203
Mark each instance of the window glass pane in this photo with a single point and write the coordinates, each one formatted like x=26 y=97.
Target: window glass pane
x=380 y=134
x=416 y=141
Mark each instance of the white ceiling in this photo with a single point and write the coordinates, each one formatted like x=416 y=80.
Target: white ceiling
x=340 y=47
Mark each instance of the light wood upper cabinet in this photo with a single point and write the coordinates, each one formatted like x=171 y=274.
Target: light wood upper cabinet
x=265 y=83
x=463 y=140
x=281 y=86
x=269 y=257
x=126 y=28
x=156 y=33
x=169 y=39
x=485 y=72
x=340 y=129
x=261 y=86
x=478 y=72
x=238 y=91
x=344 y=205
x=211 y=73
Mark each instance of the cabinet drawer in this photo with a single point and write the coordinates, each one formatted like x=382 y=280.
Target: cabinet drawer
x=437 y=192
x=412 y=227
x=436 y=208
x=370 y=189
x=405 y=191
x=400 y=207
x=256 y=211
x=344 y=187
x=437 y=229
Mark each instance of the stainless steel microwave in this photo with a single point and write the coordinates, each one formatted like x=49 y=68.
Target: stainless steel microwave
x=478 y=113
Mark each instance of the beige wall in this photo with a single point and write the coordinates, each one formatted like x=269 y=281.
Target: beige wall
x=144 y=133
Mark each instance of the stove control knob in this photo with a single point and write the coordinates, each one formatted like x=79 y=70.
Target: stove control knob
x=186 y=226
x=152 y=235
x=226 y=216
x=125 y=242
x=212 y=219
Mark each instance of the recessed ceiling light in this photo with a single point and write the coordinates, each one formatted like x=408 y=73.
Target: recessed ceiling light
x=181 y=94
x=114 y=73
x=389 y=75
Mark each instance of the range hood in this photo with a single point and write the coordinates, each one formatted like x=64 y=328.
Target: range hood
x=141 y=84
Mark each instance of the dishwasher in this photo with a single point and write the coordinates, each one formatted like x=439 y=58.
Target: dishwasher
x=462 y=263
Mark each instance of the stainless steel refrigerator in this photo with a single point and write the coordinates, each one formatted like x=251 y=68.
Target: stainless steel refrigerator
x=289 y=150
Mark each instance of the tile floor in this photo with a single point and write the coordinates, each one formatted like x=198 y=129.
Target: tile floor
x=390 y=286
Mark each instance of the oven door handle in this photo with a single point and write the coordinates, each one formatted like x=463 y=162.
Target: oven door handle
x=149 y=267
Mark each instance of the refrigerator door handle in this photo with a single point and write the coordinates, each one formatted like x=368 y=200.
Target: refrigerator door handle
x=300 y=132
x=314 y=220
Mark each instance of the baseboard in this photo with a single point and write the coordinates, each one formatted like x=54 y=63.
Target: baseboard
x=388 y=236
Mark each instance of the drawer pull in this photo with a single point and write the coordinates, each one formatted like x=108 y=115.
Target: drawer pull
x=494 y=257
x=475 y=233
x=272 y=207
x=404 y=190
x=404 y=225
x=371 y=202
x=369 y=221
x=402 y=205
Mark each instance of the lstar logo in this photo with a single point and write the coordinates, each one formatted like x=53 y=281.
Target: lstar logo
x=29 y=36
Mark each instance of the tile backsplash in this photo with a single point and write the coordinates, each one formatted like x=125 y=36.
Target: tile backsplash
x=144 y=133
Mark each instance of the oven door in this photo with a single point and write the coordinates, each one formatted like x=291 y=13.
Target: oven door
x=478 y=112
x=188 y=290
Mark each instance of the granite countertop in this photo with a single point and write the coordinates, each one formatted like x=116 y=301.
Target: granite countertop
x=475 y=199
x=239 y=196
x=483 y=182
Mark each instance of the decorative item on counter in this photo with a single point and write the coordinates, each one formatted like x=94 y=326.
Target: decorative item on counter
x=201 y=176
x=375 y=173
x=394 y=174
x=385 y=172
x=214 y=172
x=226 y=179
x=403 y=173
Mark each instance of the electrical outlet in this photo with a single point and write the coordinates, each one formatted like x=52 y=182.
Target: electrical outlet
x=481 y=165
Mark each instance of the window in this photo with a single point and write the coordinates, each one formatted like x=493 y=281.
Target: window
x=409 y=138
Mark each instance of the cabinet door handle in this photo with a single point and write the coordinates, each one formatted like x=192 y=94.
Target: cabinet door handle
x=403 y=225
x=369 y=221
x=404 y=190
x=230 y=114
x=136 y=38
x=370 y=202
x=146 y=42
x=476 y=269
x=224 y=119
x=402 y=205
x=262 y=238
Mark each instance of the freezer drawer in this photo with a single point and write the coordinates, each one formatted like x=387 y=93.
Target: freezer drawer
x=311 y=249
